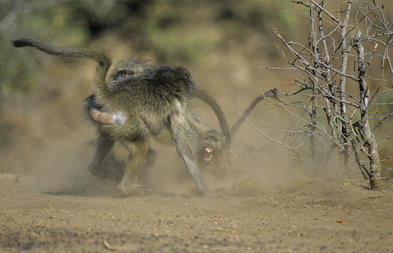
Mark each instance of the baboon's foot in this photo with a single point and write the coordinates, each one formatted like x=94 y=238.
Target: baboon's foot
x=134 y=189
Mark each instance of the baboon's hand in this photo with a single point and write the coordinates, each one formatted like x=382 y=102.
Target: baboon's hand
x=101 y=117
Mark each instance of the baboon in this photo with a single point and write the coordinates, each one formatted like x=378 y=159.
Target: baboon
x=210 y=142
x=100 y=118
x=210 y=145
x=147 y=103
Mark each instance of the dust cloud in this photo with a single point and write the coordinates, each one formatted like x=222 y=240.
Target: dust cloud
x=50 y=138
x=59 y=166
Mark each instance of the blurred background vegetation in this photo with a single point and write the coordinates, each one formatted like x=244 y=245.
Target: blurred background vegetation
x=170 y=30
x=223 y=43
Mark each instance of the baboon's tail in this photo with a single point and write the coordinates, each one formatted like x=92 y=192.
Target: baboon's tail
x=202 y=95
x=271 y=93
x=99 y=56
x=66 y=52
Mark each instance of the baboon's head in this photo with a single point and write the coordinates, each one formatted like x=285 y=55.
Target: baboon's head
x=127 y=68
x=211 y=146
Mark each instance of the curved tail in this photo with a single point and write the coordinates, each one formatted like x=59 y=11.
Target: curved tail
x=102 y=59
x=271 y=93
x=202 y=95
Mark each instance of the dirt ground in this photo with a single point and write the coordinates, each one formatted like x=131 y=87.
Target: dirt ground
x=38 y=215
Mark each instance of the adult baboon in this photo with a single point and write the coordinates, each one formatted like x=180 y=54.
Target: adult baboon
x=210 y=142
x=147 y=103
x=210 y=145
x=101 y=118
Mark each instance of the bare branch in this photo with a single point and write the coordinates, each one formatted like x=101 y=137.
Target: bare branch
x=326 y=12
x=386 y=116
x=324 y=76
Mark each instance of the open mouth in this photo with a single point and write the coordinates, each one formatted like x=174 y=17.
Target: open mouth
x=208 y=154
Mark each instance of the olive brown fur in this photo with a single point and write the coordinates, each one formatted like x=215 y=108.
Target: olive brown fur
x=150 y=101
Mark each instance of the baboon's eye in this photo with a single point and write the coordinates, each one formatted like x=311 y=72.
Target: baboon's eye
x=212 y=138
x=121 y=74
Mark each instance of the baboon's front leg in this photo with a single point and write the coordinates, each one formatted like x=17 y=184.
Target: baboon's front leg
x=129 y=184
x=103 y=147
x=181 y=134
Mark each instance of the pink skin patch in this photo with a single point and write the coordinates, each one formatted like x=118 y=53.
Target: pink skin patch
x=208 y=154
x=102 y=117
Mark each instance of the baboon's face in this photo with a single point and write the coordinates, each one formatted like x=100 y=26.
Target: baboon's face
x=127 y=68
x=211 y=145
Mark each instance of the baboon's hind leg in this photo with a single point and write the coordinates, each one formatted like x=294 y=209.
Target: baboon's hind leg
x=146 y=170
x=103 y=147
x=129 y=184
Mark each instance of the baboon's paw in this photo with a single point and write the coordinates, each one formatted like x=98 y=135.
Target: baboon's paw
x=134 y=189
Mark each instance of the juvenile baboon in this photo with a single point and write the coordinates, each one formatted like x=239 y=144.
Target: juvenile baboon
x=148 y=104
x=210 y=146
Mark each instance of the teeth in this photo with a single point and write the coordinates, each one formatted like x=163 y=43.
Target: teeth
x=208 y=150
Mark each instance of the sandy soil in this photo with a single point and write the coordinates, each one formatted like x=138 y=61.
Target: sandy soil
x=315 y=217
